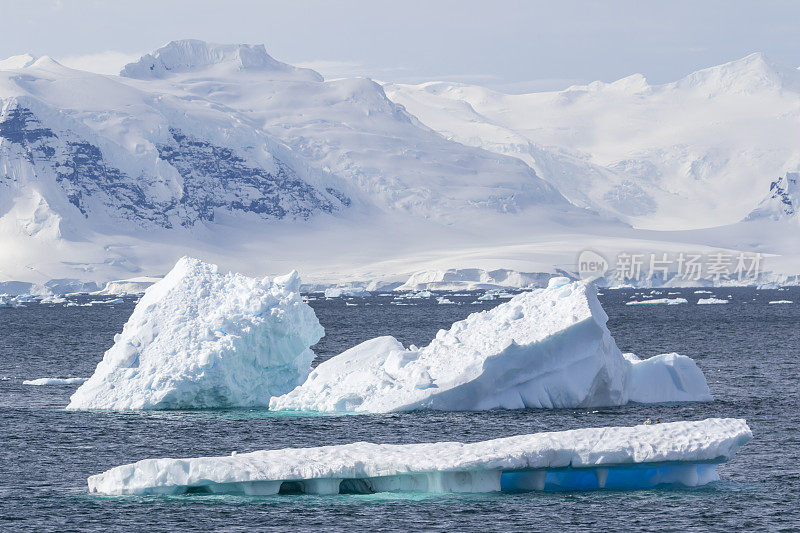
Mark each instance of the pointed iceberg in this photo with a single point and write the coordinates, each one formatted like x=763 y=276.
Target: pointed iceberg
x=548 y=348
x=199 y=339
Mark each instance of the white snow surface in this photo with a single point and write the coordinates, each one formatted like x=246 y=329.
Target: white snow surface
x=199 y=339
x=548 y=348
x=506 y=463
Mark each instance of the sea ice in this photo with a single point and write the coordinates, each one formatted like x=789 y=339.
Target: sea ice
x=710 y=301
x=199 y=338
x=677 y=453
x=547 y=348
x=781 y=302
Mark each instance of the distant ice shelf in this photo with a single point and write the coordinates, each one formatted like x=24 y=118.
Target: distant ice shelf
x=678 y=453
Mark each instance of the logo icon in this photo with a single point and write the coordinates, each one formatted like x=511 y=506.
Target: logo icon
x=591 y=265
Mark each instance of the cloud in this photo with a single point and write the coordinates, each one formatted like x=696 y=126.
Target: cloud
x=109 y=62
x=346 y=69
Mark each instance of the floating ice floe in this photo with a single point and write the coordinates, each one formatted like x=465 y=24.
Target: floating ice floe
x=711 y=301
x=547 y=348
x=677 y=453
x=443 y=300
x=782 y=302
x=200 y=339
x=52 y=300
x=54 y=381
x=703 y=292
x=418 y=295
x=660 y=301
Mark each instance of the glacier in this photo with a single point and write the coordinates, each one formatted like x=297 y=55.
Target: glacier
x=676 y=453
x=455 y=279
x=548 y=348
x=199 y=338
x=646 y=169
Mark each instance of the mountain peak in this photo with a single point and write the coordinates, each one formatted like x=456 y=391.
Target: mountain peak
x=782 y=201
x=190 y=55
x=17 y=62
x=748 y=75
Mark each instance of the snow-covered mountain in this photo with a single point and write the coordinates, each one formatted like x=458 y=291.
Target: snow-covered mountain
x=206 y=145
x=222 y=152
x=688 y=154
x=783 y=200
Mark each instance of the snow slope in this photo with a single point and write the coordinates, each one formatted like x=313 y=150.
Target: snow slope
x=681 y=453
x=687 y=154
x=199 y=338
x=548 y=348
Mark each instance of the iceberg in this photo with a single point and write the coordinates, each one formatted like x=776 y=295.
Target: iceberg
x=781 y=302
x=122 y=287
x=659 y=301
x=200 y=339
x=352 y=292
x=548 y=348
x=710 y=301
x=40 y=382
x=643 y=456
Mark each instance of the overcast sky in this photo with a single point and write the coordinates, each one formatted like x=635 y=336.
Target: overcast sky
x=511 y=45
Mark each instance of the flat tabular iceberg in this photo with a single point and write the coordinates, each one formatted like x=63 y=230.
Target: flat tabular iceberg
x=659 y=301
x=199 y=338
x=546 y=348
x=54 y=381
x=709 y=301
x=352 y=292
x=683 y=453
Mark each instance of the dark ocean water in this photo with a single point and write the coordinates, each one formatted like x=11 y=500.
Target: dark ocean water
x=748 y=350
